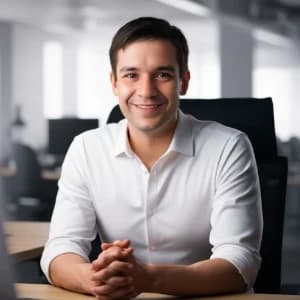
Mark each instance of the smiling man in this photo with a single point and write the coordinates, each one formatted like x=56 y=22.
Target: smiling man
x=175 y=200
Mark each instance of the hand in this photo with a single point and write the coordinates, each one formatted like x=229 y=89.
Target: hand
x=140 y=272
x=110 y=274
x=142 y=279
x=120 y=243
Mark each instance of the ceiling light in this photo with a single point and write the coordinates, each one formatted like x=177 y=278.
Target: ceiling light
x=188 y=6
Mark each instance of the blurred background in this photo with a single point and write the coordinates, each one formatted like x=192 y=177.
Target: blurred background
x=54 y=83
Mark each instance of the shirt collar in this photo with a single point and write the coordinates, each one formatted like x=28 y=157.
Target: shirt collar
x=182 y=142
x=122 y=146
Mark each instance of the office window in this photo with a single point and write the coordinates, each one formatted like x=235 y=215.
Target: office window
x=276 y=82
x=53 y=72
x=95 y=97
x=205 y=76
x=88 y=83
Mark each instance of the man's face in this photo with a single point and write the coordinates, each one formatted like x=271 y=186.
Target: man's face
x=148 y=85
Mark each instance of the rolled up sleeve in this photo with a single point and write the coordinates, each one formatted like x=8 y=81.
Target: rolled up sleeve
x=73 y=223
x=236 y=218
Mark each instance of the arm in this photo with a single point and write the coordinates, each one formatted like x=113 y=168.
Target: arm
x=208 y=277
x=105 y=277
x=72 y=272
x=73 y=226
x=70 y=234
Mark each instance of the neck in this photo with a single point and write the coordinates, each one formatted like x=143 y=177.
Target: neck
x=150 y=147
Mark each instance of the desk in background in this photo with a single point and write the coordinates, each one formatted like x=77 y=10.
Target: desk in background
x=47 y=174
x=48 y=292
x=26 y=240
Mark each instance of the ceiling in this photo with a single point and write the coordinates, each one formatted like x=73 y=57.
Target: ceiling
x=281 y=17
x=84 y=14
x=278 y=16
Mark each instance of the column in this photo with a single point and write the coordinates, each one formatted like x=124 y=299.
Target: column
x=236 y=58
x=28 y=43
x=5 y=88
x=70 y=76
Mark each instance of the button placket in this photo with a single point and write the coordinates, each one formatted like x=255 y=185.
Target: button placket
x=151 y=208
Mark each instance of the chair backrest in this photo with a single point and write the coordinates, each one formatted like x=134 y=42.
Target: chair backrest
x=27 y=181
x=273 y=183
x=255 y=117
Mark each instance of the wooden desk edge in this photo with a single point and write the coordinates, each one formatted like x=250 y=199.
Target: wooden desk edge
x=49 y=292
x=27 y=254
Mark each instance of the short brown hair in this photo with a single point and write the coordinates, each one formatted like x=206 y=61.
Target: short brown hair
x=149 y=28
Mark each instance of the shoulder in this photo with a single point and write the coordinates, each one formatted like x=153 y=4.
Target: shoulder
x=97 y=140
x=214 y=137
x=213 y=131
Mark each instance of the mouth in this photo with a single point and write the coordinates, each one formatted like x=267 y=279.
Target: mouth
x=147 y=106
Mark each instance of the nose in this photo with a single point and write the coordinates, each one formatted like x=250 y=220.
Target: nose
x=147 y=87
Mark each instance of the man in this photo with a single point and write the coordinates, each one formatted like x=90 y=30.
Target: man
x=175 y=200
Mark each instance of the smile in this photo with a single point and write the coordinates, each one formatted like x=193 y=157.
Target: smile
x=147 y=106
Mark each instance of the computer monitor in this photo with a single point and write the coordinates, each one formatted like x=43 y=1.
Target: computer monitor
x=62 y=131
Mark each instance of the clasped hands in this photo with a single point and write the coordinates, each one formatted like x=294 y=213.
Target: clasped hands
x=117 y=274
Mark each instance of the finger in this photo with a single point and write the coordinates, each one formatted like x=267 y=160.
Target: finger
x=120 y=243
x=113 y=293
x=116 y=268
x=123 y=293
x=110 y=255
x=105 y=246
x=106 y=257
x=119 y=281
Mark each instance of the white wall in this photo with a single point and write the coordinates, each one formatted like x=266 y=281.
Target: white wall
x=27 y=86
x=70 y=78
x=95 y=93
x=295 y=112
x=28 y=81
x=277 y=75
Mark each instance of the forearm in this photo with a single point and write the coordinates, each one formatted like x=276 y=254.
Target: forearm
x=71 y=272
x=208 y=277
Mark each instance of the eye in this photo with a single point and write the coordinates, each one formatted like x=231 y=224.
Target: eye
x=164 y=75
x=130 y=75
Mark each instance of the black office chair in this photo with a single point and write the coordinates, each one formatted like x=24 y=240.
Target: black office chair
x=255 y=117
x=31 y=198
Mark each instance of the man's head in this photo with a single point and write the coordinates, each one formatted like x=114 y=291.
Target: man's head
x=149 y=28
x=149 y=72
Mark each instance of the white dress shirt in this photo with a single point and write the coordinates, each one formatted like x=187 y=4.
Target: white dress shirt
x=200 y=200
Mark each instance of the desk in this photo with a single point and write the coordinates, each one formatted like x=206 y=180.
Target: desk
x=46 y=174
x=7 y=171
x=48 y=292
x=26 y=240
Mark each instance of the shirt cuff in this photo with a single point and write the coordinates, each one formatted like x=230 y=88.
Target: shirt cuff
x=245 y=260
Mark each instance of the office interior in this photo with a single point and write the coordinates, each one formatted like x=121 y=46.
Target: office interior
x=54 y=83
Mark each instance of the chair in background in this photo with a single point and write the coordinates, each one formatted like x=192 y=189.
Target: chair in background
x=255 y=117
x=28 y=190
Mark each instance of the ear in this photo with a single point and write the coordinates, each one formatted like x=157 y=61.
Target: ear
x=185 y=82
x=113 y=82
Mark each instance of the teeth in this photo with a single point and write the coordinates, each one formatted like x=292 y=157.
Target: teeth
x=148 y=106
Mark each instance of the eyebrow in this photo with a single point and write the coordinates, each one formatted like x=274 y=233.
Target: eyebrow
x=161 y=68
x=128 y=69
